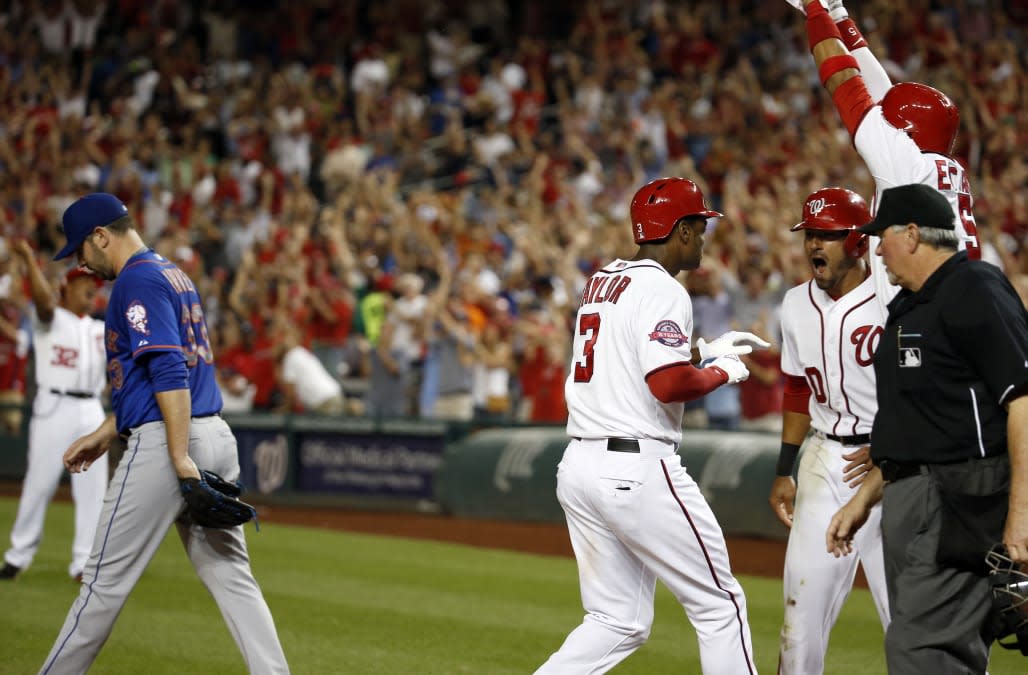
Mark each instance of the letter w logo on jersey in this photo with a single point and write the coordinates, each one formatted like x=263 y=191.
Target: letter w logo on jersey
x=865 y=339
x=64 y=357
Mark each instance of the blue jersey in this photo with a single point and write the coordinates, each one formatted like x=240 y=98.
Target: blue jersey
x=154 y=307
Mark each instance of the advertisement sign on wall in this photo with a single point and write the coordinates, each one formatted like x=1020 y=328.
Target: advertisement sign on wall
x=368 y=464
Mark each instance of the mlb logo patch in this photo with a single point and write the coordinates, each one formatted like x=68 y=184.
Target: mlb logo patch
x=910 y=357
x=668 y=333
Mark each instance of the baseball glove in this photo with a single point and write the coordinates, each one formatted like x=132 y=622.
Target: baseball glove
x=214 y=502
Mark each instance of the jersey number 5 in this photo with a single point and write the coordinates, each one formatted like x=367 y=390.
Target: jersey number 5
x=588 y=325
x=974 y=250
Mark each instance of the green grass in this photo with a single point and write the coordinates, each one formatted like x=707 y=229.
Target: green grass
x=347 y=603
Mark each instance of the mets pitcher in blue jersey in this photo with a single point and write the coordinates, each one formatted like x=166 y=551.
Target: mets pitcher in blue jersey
x=166 y=411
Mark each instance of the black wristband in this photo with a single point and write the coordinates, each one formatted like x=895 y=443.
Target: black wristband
x=786 y=459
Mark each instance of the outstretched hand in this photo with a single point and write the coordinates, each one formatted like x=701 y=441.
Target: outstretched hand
x=732 y=343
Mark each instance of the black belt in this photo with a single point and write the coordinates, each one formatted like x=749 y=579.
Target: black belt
x=893 y=471
x=859 y=439
x=619 y=444
x=73 y=393
x=622 y=445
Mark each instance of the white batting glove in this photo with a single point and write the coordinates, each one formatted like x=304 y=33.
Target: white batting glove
x=731 y=366
x=733 y=342
x=836 y=10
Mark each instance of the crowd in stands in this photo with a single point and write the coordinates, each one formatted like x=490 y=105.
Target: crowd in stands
x=391 y=206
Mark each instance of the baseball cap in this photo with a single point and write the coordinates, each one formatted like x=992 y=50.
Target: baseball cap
x=85 y=215
x=918 y=203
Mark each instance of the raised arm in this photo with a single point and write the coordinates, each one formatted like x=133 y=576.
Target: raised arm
x=42 y=292
x=875 y=77
x=837 y=68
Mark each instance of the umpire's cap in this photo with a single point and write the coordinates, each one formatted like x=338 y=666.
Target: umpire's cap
x=85 y=215
x=918 y=203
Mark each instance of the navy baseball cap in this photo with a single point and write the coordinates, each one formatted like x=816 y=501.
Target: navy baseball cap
x=917 y=203
x=85 y=215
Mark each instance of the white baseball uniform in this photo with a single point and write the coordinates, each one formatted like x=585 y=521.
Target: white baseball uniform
x=894 y=159
x=830 y=343
x=634 y=515
x=70 y=375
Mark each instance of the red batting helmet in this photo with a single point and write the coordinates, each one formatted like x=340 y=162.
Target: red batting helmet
x=926 y=114
x=835 y=209
x=80 y=273
x=659 y=204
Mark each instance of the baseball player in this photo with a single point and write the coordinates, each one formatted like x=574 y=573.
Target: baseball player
x=903 y=132
x=70 y=376
x=634 y=515
x=830 y=328
x=166 y=411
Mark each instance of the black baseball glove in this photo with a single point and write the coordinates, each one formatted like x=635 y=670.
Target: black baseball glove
x=214 y=502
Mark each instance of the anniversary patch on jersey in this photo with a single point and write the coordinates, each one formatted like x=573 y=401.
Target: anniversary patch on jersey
x=669 y=334
x=136 y=316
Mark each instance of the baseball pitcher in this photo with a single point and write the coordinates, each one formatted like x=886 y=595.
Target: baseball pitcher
x=177 y=448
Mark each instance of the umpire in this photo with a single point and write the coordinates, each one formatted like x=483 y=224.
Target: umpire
x=950 y=440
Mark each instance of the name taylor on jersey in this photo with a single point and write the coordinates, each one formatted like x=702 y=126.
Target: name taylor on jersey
x=605 y=289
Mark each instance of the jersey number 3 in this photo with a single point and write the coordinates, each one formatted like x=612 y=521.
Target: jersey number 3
x=588 y=325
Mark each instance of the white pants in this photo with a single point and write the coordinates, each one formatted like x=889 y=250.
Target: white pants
x=635 y=518
x=57 y=421
x=816 y=584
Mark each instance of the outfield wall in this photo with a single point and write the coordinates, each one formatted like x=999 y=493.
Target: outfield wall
x=510 y=474
x=506 y=473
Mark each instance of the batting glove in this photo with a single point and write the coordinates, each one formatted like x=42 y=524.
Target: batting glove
x=731 y=366
x=836 y=10
x=735 y=343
